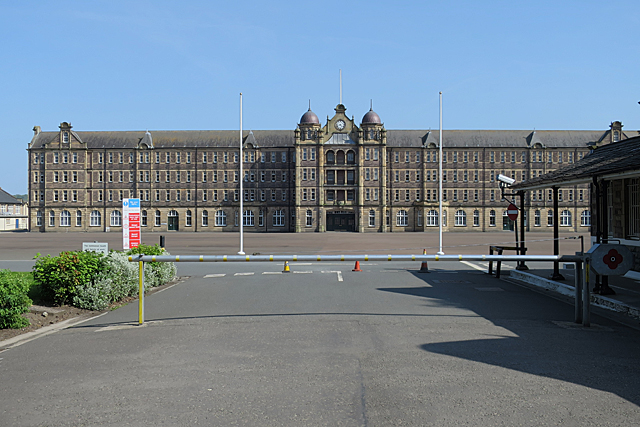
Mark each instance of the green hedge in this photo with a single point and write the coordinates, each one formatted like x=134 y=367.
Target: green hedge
x=13 y=299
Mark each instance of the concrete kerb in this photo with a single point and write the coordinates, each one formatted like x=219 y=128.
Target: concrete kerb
x=569 y=291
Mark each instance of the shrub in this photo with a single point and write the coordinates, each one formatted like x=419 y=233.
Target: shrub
x=155 y=273
x=13 y=299
x=61 y=276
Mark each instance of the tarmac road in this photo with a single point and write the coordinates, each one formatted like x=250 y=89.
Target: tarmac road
x=244 y=344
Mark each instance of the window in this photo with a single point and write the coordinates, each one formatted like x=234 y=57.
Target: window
x=143 y=218
x=565 y=218
x=492 y=218
x=585 y=219
x=248 y=218
x=188 y=218
x=536 y=218
x=221 y=218
x=460 y=218
x=476 y=218
x=205 y=216
x=372 y=218
x=309 y=217
x=65 y=219
x=402 y=218
x=157 y=219
x=549 y=218
x=52 y=219
x=432 y=218
x=261 y=218
x=278 y=218
x=116 y=219
x=95 y=219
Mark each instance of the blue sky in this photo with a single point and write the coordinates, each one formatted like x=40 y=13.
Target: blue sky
x=137 y=65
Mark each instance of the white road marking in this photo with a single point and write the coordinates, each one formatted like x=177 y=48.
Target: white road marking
x=339 y=273
x=272 y=272
x=472 y=265
x=215 y=275
x=244 y=274
x=302 y=272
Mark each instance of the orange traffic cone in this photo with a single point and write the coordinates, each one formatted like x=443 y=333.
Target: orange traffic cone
x=357 y=267
x=424 y=267
x=286 y=267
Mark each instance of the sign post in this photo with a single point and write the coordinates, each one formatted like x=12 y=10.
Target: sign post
x=130 y=223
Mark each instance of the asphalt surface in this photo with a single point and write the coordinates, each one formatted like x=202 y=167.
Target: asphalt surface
x=244 y=344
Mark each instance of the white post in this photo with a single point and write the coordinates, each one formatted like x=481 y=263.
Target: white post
x=241 y=215
x=440 y=252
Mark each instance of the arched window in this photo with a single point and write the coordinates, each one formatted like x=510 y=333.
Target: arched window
x=444 y=217
x=78 y=218
x=351 y=157
x=188 y=218
x=143 y=218
x=261 y=218
x=95 y=219
x=585 y=219
x=476 y=218
x=536 y=218
x=402 y=218
x=372 y=218
x=205 y=218
x=331 y=157
x=65 y=219
x=39 y=219
x=340 y=157
x=460 y=218
x=278 y=218
x=157 y=219
x=248 y=218
x=52 y=219
x=419 y=217
x=432 y=218
x=492 y=218
x=116 y=219
x=387 y=218
x=565 y=218
x=309 y=218
x=221 y=218
x=550 y=218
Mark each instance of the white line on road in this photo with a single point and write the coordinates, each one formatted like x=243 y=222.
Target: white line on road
x=244 y=274
x=272 y=272
x=477 y=267
x=302 y=272
x=215 y=275
x=339 y=273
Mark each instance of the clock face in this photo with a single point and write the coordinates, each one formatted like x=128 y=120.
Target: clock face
x=340 y=124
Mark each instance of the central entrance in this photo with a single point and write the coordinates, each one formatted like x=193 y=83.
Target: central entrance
x=341 y=221
x=172 y=220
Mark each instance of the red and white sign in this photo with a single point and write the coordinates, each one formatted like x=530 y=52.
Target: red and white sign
x=512 y=212
x=130 y=223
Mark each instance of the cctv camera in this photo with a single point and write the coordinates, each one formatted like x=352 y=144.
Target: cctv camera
x=506 y=179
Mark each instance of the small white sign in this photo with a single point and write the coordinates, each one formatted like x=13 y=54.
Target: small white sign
x=96 y=247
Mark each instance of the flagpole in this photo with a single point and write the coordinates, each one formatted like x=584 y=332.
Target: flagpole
x=440 y=252
x=241 y=252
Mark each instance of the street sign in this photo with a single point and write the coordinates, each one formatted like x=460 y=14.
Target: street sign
x=96 y=247
x=512 y=212
x=610 y=260
x=130 y=223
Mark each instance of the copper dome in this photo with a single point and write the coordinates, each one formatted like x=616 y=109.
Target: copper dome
x=371 y=118
x=309 y=118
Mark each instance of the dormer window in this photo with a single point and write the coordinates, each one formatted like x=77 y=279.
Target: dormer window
x=616 y=136
x=65 y=137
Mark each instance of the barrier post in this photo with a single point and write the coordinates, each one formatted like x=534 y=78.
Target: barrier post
x=141 y=293
x=578 y=292
x=586 y=317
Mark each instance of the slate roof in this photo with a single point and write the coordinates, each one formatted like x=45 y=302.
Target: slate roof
x=8 y=199
x=285 y=138
x=614 y=158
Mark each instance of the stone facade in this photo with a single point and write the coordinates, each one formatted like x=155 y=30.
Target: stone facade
x=340 y=176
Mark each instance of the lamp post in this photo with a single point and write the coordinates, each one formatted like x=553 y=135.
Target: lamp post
x=241 y=251
x=440 y=252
